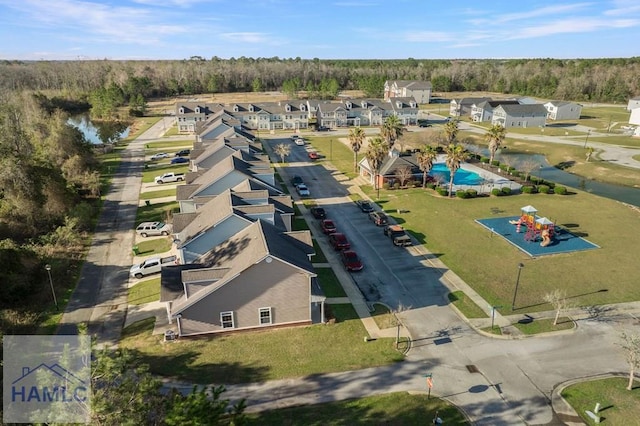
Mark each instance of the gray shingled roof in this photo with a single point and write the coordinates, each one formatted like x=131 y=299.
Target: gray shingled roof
x=524 y=110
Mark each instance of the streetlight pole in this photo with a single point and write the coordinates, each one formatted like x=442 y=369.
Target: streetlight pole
x=586 y=139
x=515 y=292
x=53 y=291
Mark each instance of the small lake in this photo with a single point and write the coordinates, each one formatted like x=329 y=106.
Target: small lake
x=546 y=171
x=101 y=132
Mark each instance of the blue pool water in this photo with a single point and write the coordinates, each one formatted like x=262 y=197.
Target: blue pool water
x=462 y=176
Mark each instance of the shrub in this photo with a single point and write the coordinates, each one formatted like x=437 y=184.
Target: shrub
x=561 y=190
x=396 y=185
x=544 y=189
x=417 y=184
x=462 y=194
x=496 y=192
x=528 y=189
x=504 y=167
x=506 y=190
x=443 y=191
x=386 y=186
x=431 y=185
x=534 y=179
x=495 y=163
x=472 y=193
x=512 y=170
x=484 y=160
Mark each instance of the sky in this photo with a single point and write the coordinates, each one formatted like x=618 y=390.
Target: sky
x=342 y=29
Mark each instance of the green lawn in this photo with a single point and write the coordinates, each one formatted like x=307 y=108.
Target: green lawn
x=618 y=405
x=154 y=246
x=399 y=408
x=329 y=283
x=156 y=212
x=465 y=305
x=319 y=257
x=544 y=325
x=150 y=195
x=272 y=354
x=383 y=317
x=145 y=292
x=153 y=147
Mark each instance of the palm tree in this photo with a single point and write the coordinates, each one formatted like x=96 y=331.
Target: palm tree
x=455 y=155
x=451 y=131
x=356 y=137
x=376 y=151
x=392 y=129
x=282 y=150
x=425 y=161
x=495 y=136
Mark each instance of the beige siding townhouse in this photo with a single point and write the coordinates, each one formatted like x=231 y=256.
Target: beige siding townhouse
x=534 y=115
x=563 y=110
x=420 y=91
x=190 y=116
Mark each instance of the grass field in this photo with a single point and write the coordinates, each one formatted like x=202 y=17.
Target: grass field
x=465 y=305
x=456 y=238
x=329 y=283
x=399 y=408
x=272 y=354
x=618 y=405
x=145 y=292
x=154 y=246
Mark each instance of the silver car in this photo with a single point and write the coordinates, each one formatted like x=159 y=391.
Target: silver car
x=147 y=229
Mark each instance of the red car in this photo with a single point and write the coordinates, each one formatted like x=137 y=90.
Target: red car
x=313 y=155
x=351 y=261
x=328 y=227
x=339 y=241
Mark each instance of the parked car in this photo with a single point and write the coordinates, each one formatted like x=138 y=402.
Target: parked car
x=294 y=137
x=169 y=177
x=179 y=160
x=183 y=153
x=146 y=229
x=297 y=180
x=322 y=129
x=313 y=155
x=151 y=266
x=351 y=261
x=379 y=218
x=365 y=206
x=327 y=226
x=425 y=124
x=318 y=212
x=339 y=241
x=303 y=191
x=299 y=141
x=159 y=156
x=398 y=235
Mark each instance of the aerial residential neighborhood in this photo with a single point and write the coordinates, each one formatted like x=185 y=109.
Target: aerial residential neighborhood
x=339 y=213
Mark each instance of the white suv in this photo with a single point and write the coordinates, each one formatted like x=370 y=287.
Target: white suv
x=146 y=229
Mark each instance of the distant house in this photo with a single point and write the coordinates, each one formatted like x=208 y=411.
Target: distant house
x=633 y=103
x=331 y=114
x=283 y=115
x=534 y=115
x=563 y=110
x=259 y=278
x=190 y=116
x=406 y=109
x=634 y=119
x=418 y=90
x=483 y=111
x=461 y=107
x=366 y=112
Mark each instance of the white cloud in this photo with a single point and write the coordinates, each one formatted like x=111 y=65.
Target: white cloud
x=247 y=37
x=573 y=25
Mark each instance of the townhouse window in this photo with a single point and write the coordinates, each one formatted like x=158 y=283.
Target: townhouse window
x=265 y=316
x=226 y=319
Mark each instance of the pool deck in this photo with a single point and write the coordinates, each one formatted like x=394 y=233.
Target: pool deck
x=491 y=180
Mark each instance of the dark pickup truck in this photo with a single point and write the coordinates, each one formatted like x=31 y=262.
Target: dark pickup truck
x=398 y=235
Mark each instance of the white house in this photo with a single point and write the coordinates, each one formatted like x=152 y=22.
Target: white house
x=633 y=103
x=520 y=115
x=418 y=90
x=634 y=119
x=563 y=110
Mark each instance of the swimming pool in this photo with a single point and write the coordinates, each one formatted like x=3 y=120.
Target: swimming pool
x=462 y=176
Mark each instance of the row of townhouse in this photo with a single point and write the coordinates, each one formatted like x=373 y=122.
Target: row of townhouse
x=514 y=112
x=296 y=115
x=242 y=267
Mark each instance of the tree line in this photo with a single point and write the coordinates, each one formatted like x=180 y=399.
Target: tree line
x=594 y=80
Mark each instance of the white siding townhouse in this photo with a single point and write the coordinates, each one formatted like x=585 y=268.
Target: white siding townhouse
x=563 y=110
x=520 y=115
x=418 y=90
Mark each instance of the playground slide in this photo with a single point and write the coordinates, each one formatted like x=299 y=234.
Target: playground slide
x=546 y=240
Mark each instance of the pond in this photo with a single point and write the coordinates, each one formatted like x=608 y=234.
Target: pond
x=626 y=194
x=100 y=132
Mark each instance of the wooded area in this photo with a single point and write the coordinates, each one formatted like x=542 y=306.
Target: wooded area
x=594 y=80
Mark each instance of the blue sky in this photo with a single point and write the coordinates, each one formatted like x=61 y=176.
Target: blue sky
x=342 y=29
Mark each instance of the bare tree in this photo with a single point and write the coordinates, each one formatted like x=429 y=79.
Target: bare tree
x=589 y=153
x=528 y=166
x=557 y=299
x=282 y=150
x=404 y=174
x=631 y=346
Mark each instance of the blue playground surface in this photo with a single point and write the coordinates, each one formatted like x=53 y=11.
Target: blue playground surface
x=562 y=242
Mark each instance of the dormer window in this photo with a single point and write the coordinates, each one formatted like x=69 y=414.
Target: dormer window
x=181 y=110
x=197 y=110
x=399 y=104
x=364 y=104
x=236 y=108
x=251 y=108
x=287 y=108
x=348 y=104
x=303 y=107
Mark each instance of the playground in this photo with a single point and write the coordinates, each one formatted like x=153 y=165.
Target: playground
x=535 y=235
